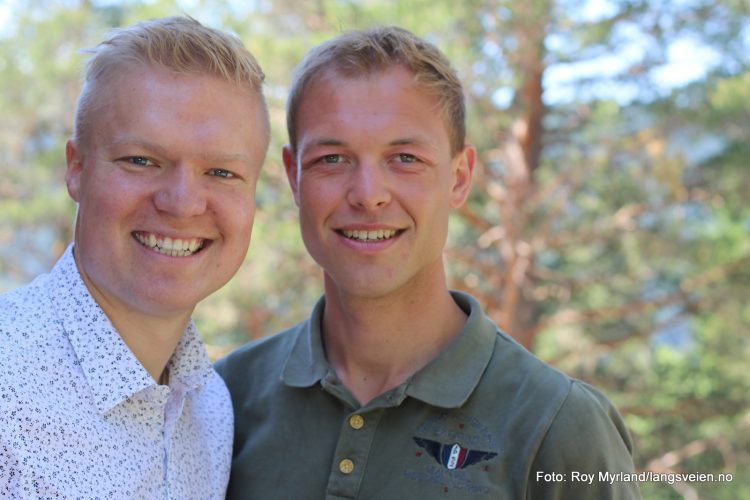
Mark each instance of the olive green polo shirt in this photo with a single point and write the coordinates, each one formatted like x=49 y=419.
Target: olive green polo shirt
x=485 y=419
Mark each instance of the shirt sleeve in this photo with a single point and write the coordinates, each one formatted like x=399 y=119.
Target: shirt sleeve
x=585 y=448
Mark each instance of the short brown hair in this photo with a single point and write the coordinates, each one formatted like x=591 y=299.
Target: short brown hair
x=358 y=53
x=178 y=44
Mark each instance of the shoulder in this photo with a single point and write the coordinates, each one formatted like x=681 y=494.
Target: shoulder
x=523 y=377
x=588 y=417
x=511 y=368
x=263 y=350
x=586 y=441
x=213 y=404
x=21 y=306
x=569 y=426
x=215 y=391
x=521 y=396
x=26 y=321
x=261 y=357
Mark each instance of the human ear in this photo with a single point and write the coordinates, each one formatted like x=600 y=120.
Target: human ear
x=74 y=171
x=292 y=170
x=463 y=172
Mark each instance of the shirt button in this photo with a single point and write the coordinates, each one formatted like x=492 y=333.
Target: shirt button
x=357 y=422
x=346 y=466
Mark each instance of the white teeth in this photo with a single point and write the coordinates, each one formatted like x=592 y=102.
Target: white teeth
x=173 y=247
x=379 y=234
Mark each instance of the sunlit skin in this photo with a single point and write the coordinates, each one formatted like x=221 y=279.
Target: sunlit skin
x=170 y=156
x=373 y=154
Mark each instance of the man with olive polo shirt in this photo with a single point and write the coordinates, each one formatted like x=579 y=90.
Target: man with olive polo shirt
x=397 y=387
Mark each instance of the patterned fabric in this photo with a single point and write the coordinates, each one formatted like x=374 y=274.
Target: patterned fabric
x=80 y=417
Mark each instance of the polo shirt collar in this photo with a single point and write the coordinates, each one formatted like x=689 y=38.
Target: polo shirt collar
x=447 y=381
x=307 y=363
x=111 y=369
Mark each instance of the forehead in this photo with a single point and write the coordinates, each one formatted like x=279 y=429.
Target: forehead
x=397 y=77
x=132 y=80
x=378 y=102
x=141 y=91
x=172 y=116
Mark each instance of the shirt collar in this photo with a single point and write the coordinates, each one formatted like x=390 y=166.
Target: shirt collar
x=189 y=363
x=111 y=369
x=307 y=362
x=447 y=381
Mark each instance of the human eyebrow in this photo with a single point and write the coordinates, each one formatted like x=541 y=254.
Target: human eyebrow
x=324 y=141
x=414 y=141
x=143 y=144
x=215 y=157
x=305 y=147
x=224 y=158
x=328 y=142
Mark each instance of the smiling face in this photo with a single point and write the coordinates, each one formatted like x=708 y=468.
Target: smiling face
x=166 y=189
x=375 y=181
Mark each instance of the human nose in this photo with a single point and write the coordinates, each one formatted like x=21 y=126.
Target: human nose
x=369 y=187
x=180 y=194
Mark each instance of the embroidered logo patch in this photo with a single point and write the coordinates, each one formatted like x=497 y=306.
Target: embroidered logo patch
x=462 y=450
x=453 y=455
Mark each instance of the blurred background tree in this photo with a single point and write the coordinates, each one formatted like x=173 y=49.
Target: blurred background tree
x=607 y=230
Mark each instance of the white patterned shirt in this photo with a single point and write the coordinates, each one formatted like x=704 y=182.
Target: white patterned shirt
x=80 y=417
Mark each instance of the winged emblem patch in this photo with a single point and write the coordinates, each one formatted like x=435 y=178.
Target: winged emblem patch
x=453 y=455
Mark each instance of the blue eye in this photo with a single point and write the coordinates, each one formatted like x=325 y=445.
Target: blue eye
x=406 y=158
x=332 y=159
x=141 y=161
x=220 y=172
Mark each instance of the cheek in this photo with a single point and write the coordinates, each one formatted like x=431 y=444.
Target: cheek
x=312 y=233
x=235 y=216
x=111 y=195
x=306 y=223
x=322 y=197
x=317 y=187
x=103 y=207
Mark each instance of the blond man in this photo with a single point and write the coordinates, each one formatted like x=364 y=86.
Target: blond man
x=105 y=387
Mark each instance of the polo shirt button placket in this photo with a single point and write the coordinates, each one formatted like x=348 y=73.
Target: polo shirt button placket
x=356 y=422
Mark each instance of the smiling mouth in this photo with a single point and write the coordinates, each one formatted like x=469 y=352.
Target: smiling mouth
x=173 y=247
x=370 y=236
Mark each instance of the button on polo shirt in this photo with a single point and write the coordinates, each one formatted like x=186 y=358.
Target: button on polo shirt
x=357 y=422
x=346 y=466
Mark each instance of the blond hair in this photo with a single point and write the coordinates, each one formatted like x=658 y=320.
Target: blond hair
x=360 y=53
x=178 y=44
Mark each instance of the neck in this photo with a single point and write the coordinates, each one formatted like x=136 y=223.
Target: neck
x=378 y=343
x=152 y=339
